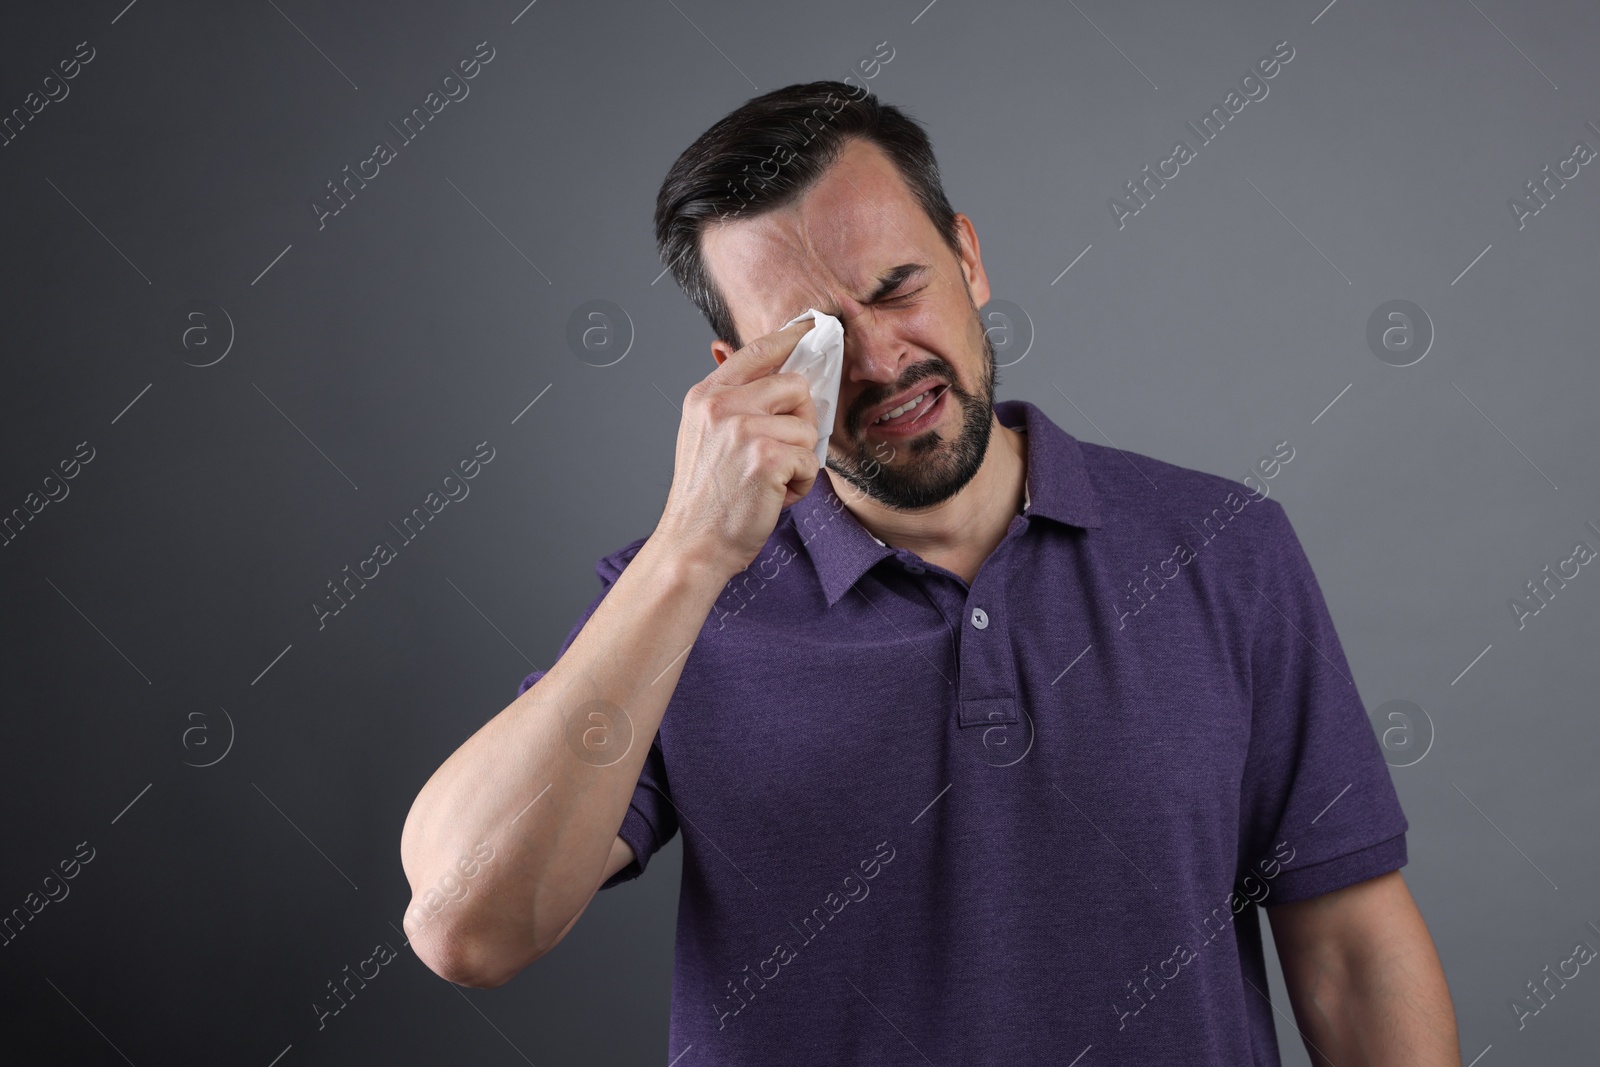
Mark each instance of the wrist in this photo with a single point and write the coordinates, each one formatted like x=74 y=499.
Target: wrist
x=683 y=566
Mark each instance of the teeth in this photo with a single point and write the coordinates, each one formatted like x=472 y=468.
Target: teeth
x=903 y=408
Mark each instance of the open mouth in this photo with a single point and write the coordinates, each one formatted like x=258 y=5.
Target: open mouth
x=915 y=413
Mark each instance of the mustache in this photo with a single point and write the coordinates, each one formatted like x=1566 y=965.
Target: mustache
x=932 y=368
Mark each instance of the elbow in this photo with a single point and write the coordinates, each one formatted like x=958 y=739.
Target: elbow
x=462 y=958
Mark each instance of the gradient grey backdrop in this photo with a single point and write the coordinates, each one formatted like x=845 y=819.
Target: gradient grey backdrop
x=163 y=607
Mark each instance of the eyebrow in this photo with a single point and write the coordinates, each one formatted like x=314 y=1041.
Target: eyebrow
x=891 y=279
x=888 y=282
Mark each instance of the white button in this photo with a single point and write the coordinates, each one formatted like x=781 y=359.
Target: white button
x=979 y=619
x=915 y=568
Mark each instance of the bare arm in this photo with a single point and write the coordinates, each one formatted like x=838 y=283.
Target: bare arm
x=1364 y=978
x=515 y=791
x=621 y=855
x=511 y=837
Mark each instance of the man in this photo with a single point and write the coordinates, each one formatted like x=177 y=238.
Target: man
x=987 y=746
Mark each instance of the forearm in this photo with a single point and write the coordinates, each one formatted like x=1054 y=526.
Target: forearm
x=1380 y=1010
x=518 y=791
x=1365 y=979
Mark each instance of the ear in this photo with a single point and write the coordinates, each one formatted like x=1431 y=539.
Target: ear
x=721 y=350
x=972 y=260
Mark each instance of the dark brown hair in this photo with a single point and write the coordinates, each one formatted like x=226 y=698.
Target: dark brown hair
x=766 y=154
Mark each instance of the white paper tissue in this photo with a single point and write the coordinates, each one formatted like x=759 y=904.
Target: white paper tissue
x=819 y=358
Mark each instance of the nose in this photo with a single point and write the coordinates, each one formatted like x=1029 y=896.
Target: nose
x=873 y=356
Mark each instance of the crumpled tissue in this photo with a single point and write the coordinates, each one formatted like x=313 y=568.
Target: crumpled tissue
x=819 y=358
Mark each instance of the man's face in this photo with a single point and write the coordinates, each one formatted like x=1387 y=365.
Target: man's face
x=858 y=246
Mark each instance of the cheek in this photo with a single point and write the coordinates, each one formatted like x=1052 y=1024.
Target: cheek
x=932 y=329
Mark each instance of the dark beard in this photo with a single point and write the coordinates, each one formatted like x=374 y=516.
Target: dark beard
x=933 y=470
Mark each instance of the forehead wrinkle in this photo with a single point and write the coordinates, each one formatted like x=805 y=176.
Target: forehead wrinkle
x=789 y=246
x=791 y=243
x=931 y=259
x=822 y=289
x=820 y=283
x=853 y=251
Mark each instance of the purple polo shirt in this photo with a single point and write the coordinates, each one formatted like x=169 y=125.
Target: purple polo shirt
x=1015 y=822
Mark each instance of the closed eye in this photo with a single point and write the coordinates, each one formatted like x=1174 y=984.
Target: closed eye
x=903 y=296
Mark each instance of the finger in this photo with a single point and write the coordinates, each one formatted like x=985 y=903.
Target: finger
x=778 y=393
x=782 y=395
x=761 y=356
x=802 y=477
x=790 y=429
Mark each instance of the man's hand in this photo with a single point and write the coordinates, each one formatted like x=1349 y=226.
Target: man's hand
x=1364 y=978
x=746 y=450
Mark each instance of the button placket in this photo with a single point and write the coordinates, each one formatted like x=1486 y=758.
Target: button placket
x=988 y=680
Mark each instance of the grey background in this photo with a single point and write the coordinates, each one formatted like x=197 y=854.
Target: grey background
x=174 y=581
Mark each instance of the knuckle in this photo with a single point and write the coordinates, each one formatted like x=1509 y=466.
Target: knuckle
x=766 y=451
x=696 y=406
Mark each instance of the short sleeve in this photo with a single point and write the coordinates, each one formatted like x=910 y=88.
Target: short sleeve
x=1317 y=803
x=650 y=821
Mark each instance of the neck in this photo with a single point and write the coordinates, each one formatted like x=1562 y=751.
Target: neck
x=965 y=528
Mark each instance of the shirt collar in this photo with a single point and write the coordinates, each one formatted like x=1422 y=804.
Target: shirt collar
x=843 y=550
